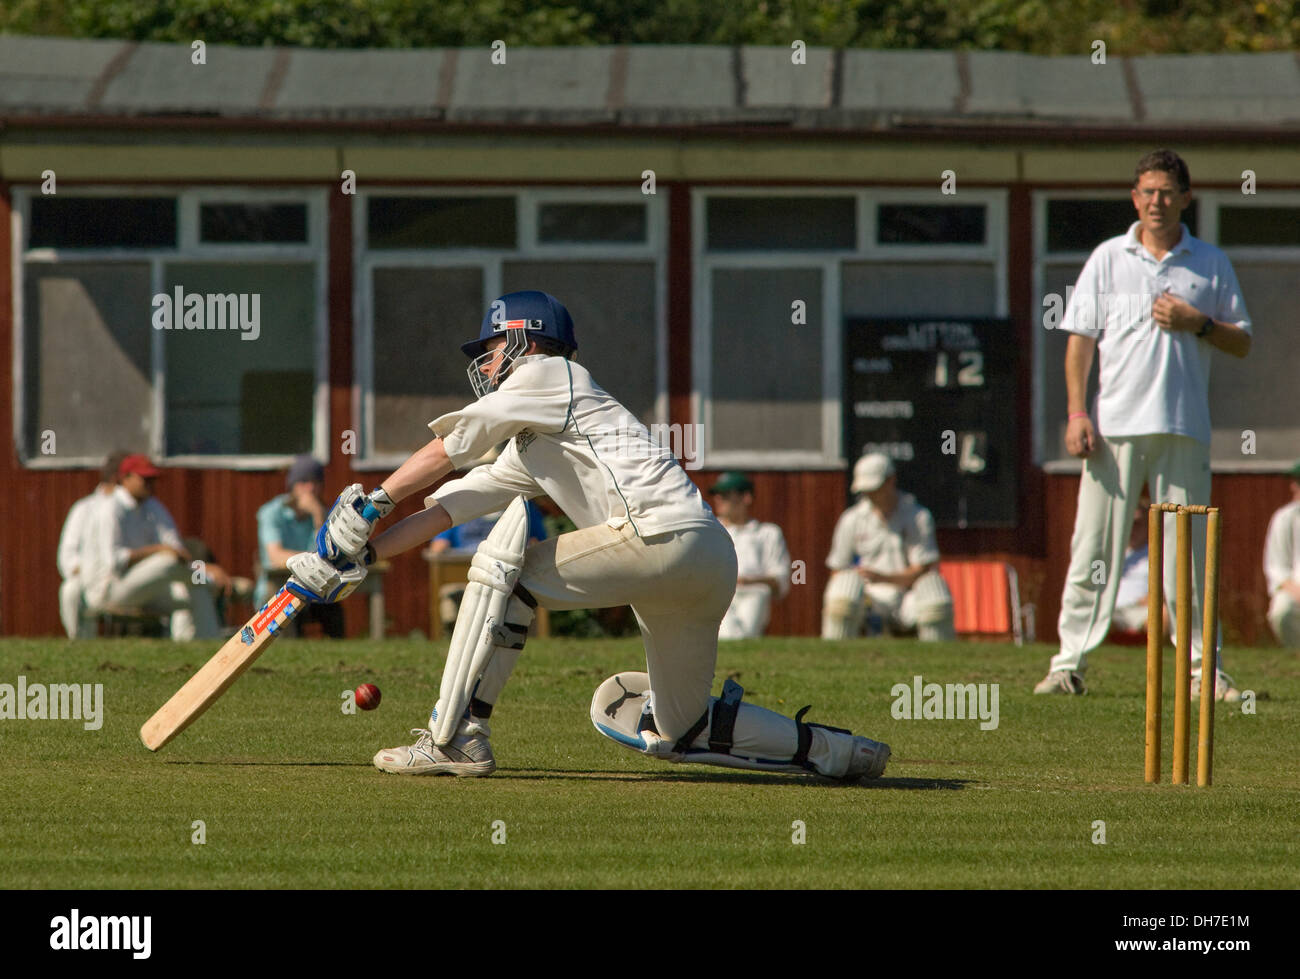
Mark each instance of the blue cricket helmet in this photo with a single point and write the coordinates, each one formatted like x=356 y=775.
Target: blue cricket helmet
x=537 y=314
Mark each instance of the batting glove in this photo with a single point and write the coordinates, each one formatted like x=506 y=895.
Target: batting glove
x=347 y=528
x=316 y=580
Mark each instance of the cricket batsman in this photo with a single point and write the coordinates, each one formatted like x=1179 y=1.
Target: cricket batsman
x=645 y=538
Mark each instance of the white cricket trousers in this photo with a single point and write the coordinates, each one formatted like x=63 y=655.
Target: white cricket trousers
x=1284 y=619
x=680 y=585
x=161 y=583
x=749 y=614
x=1177 y=470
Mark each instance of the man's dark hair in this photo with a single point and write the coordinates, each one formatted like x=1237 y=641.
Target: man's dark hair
x=1167 y=161
x=552 y=348
x=108 y=471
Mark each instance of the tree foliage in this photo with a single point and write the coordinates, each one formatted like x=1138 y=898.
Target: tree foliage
x=1131 y=27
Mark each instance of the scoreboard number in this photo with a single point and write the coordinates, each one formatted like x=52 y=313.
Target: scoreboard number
x=970 y=369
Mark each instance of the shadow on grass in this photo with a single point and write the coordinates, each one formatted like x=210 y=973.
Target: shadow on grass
x=590 y=775
x=273 y=764
x=729 y=778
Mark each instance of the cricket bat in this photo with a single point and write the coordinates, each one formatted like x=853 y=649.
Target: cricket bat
x=217 y=674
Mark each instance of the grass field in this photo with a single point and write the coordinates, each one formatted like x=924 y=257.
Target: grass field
x=282 y=780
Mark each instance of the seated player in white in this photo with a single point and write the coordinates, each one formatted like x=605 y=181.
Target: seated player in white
x=75 y=543
x=884 y=558
x=138 y=559
x=1282 y=567
x=762 y=559
x=645 y=538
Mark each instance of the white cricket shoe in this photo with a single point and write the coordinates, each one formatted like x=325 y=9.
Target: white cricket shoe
x=868 y=760
x=1224 y=689
x=468 y=754
x=1062 y=681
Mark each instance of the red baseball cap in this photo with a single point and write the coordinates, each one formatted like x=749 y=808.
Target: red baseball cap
x=140 y=465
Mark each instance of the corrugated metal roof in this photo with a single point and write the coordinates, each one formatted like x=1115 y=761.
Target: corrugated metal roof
x=654 y=86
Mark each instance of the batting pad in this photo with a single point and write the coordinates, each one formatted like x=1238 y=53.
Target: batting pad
x=493 y=574
x=621 y=702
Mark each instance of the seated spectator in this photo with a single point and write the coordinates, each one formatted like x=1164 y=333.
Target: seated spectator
x=1282 y=567
x=287 y=525
x=74 y=544
x=137 y=559
x=1130 y=616
x=885 y=560
x=762 y=559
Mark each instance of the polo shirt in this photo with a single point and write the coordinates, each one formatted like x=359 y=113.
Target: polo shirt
x=1152 y=381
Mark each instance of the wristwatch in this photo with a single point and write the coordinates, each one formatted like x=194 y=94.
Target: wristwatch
x=1206 y=328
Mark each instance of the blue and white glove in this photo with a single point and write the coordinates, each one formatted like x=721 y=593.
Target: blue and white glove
x=316 y=580
x=350 y=522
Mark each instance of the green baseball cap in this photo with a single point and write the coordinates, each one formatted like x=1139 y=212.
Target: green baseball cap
x=732 y=482
x=1294 y=472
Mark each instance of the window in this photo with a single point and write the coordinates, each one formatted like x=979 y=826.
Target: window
x=284 y=224
x=600 y=252
x=102 y=222
x=188 y=325
x=930 y=224
x=801 y=223
x=1259 y=226
x=777 y=274
x=591 y=223
x=441 y=222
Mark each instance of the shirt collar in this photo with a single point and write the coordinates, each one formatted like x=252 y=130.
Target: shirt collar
x=1134 y=244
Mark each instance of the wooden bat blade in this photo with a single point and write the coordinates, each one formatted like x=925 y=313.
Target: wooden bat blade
x=217 y=674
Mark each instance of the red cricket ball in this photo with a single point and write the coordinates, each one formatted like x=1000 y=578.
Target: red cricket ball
x=368 y=696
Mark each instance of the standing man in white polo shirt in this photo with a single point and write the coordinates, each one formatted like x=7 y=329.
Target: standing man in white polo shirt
x=1154 y=304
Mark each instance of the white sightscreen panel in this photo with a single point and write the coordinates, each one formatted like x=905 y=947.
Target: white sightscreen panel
x=227 y=395
x=614 y=319
x=1056 y=280
x=86 y=342
x=765 y=371
x=1259 y=393
x=932 y=289
x=421 y=317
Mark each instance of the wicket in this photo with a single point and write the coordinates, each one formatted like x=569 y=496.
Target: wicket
x=1183 y=643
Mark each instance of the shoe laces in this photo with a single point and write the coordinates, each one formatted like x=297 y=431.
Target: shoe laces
x=425 y=739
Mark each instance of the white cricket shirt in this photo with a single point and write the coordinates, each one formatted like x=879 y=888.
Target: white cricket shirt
x=77 y=536
x=571 y=441
x=1153 y=381
x=120 y=525
x=884 y=546
x=761 y=552
x=1282 y=548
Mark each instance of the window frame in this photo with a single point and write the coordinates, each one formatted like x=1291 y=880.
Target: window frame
x=490 y=260
x=830 y=455
x=187 y=250
x=1209 y=202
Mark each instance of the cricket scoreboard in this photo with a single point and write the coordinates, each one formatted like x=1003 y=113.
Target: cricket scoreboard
x=939 y=398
